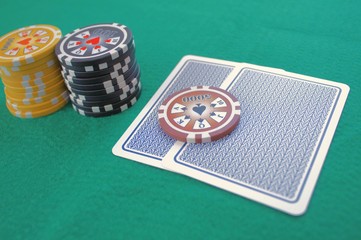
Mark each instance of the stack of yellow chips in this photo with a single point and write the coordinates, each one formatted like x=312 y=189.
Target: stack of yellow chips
x=30 y=71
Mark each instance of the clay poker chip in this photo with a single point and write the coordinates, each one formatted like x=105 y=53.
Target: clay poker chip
x=199 y=114
x=100 y=69
x=94 y=45
x=27 y=45
x=107 y=81
x=121 y=67
x=30 y=71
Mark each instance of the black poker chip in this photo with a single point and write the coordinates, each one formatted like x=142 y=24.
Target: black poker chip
x=121 y=80
x=100 y=69
x=118 y=109
x=108 y=96
x=108 y=90
x=98 y=79
x=101 y=66
x=88 y=103
x=94 y=44
x=110 y=106
x=121 y=66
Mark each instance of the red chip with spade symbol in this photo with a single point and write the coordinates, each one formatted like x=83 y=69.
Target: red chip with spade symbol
x=199 y=114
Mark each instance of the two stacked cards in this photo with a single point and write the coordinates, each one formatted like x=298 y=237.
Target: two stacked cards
x=275 y=154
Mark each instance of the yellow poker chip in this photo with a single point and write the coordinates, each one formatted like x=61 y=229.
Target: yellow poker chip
x=46 y=62
x=39 y=113
x=33 y=72
x=31 y=82
x=30 y=77
x=43 y=92
x=40 y=86
x=27 y=45
x=38 y=106
x=36 y=100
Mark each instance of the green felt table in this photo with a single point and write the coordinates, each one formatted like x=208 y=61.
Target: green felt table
x=60 y=180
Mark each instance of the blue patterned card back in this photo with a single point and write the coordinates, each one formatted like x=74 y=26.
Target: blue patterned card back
x=275 y=154
x=147 y=140
x=272 y=152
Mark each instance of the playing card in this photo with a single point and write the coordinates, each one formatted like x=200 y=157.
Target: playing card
x=275 y=154
x=144 y=141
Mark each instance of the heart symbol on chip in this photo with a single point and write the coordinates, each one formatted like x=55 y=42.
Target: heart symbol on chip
x=199 y=108
x=25 y=41
x=93 y=41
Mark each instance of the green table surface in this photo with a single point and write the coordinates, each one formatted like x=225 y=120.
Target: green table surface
x=60 y=180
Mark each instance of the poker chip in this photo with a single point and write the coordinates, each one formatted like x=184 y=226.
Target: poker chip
x=105 y=88
x=49 y=61
x=36 y=100
x=105 y=97
x=28 y=93
x=103 y=66
x=37 y=86
x=30 y=71
x=31 y=81
x=94 y=45
x=124 y=96
x=121 y=80
x=36 y=113
x=100 y=69
x=199 y=114
x=119 y=109
x=100 y=79
x=110 y=106
x=120 y=67
x=37 y=70
x=28 y=45
x=38 y=106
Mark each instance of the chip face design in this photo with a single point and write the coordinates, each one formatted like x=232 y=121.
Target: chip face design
x=97 y=44
x=199 y=114
x=27 y=45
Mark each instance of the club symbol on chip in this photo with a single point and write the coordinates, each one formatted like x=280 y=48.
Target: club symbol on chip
x=199 y=114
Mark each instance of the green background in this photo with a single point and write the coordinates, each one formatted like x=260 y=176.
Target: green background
x=59 y=179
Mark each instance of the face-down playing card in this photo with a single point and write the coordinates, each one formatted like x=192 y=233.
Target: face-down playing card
x=274 y=155
x=144 y=141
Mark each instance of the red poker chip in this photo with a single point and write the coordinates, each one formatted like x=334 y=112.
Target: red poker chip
x=199 y=114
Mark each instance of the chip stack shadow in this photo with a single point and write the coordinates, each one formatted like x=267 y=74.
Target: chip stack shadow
x=100 y=69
